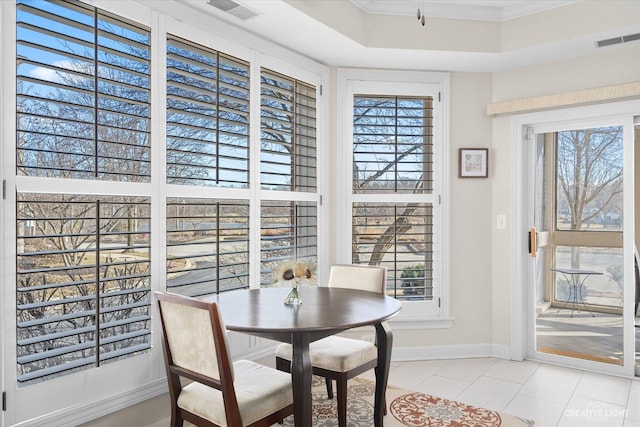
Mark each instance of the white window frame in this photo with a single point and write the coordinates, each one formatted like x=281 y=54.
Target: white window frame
x=414 y=314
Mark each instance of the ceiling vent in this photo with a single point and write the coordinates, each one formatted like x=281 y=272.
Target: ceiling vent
x=233 y=8
x=618 y=40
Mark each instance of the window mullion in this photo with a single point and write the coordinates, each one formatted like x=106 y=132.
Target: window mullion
x=96 y=103
x=97 y=285
x=395 y=143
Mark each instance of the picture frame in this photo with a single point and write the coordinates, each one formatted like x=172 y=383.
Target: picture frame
x=473 y=163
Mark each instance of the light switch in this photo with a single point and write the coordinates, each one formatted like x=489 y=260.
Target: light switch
x=501 y=222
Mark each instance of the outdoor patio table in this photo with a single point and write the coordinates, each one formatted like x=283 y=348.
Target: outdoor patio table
x=576 y=278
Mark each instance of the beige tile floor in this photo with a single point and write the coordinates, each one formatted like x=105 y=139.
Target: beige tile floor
x=549 y=395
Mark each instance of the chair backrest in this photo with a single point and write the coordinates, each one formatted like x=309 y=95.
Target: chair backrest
x=371 y=278
x=195 y=337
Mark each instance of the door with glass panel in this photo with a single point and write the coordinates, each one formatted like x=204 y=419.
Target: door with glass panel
x=576 y=245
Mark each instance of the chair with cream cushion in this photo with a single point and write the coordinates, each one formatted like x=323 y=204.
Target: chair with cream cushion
x=339 y=358
x=219 y=393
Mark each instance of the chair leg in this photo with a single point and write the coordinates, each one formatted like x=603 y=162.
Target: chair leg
x=329 y=384
x=341 y=384
x=176 y=417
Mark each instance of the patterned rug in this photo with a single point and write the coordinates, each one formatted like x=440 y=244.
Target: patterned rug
x=406 y=408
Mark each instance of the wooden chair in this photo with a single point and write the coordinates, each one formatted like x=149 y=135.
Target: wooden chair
x=339 y=358
x=220 y=393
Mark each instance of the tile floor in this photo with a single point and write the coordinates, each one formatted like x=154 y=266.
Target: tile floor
x=549 y=395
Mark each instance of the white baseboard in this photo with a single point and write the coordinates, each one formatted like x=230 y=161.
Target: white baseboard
x=86 y=412
x=401 y=354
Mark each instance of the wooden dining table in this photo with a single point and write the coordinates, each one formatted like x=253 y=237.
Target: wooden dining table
x=324 y=311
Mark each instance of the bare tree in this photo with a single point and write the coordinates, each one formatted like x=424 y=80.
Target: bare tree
x=590 y=167
x=589 y=171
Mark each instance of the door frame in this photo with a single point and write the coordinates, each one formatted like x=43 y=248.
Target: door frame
x=523 y=131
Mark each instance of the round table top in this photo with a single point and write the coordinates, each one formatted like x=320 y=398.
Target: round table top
x=576 y=271
x=322 y=309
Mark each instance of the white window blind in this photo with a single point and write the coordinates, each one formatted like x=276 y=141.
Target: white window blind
x=207 y=116
x=393 y=157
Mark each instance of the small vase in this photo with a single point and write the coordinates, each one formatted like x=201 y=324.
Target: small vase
x=293 y=297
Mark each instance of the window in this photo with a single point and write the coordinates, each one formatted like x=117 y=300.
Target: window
x=288 y=119
x=589 y=179
x=288 y=167
x=83 y=94
x=392 y=144
x=392 y=154
x=289 y=231
x=588 y=212
x=396 y=126
x=83 y=112
x=207 y=116
x=207 y=145
x=207 y=245
x=82 y=282
x=399 y=236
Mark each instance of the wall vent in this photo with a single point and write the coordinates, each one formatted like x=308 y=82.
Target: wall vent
x=233 y=8
x=618 y=40
x=631 y=37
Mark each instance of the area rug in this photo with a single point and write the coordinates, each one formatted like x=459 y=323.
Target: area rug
x=405 y=408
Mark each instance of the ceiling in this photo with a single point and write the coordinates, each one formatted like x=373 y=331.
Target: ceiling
x=381 y=34
x=481 y=10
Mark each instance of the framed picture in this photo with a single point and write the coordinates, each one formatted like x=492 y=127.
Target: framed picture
x=473 y=162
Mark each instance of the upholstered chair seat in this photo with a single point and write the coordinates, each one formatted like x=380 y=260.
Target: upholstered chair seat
x=259 y=391
x=335 y=353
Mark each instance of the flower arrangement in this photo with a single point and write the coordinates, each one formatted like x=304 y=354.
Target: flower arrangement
x=293 y=270
x=295 y=273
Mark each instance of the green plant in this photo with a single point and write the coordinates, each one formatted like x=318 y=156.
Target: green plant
x=413 y=280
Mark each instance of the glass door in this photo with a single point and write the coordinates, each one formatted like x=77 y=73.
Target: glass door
x=576 y=245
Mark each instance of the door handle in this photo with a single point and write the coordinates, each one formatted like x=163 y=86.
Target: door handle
x=533 y=248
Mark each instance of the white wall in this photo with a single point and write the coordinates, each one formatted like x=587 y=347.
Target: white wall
x=614 y=65
x=471 y=222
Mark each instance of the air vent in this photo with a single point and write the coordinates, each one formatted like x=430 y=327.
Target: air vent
x=618 y=40
x=631 y=37
x=233 y=8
